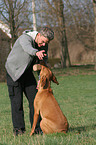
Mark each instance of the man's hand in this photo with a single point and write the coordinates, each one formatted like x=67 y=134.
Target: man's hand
x=40 y=54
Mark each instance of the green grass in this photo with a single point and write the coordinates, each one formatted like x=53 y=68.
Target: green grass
x=76 y=95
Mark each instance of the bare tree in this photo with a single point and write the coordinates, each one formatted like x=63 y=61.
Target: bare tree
x=72 y=18
x=15 y=14
x=62 y=31
x=53 y=14
x=81 y=20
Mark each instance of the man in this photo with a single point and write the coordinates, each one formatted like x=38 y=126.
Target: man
x=30 y=48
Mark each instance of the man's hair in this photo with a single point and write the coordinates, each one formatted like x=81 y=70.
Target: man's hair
x=47 y=32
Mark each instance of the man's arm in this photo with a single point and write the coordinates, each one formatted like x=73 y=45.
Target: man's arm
x=26 y=43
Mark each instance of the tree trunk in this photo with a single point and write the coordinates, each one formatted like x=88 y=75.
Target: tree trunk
x=94 y=7
x=34 y=15
x=64 y=43
x=12 y=23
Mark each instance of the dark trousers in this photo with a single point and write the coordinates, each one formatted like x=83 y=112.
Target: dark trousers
x=27 y=85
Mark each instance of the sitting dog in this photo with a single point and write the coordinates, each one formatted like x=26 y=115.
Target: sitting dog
x=53 y=120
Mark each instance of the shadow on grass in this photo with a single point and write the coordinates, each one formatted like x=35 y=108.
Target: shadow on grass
x=87 y=66
x=82 y=128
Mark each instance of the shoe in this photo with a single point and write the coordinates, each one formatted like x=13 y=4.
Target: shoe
x=17 y=131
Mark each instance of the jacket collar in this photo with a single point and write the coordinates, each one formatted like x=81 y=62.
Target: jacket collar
x=31 y=33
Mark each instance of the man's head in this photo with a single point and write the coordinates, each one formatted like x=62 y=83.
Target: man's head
x=44 y=36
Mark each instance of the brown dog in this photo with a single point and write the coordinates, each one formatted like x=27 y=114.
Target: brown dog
x=53 y=119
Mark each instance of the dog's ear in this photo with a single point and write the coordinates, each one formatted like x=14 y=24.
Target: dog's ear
x=54 y=79
x=43 y=82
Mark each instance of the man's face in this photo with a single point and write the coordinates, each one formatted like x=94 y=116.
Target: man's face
x=41 y=40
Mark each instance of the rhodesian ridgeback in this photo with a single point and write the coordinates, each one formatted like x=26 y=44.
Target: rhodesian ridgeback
x=53 y=119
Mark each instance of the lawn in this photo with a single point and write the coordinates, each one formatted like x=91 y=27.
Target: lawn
x=76 y=95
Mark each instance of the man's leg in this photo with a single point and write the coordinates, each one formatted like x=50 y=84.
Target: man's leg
x=16 y=98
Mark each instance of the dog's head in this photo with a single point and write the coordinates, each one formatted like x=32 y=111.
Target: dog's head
x=46 y=76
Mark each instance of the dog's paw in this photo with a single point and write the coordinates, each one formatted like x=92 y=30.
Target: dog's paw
x=32 y=133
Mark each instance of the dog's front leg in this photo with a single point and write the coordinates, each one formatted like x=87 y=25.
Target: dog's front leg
x=34 y=123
